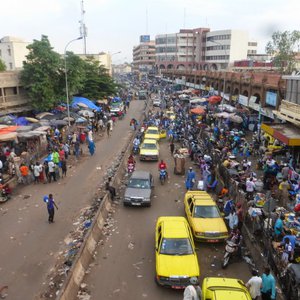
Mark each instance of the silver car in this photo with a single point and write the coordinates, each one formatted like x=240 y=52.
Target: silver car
x=139 y=189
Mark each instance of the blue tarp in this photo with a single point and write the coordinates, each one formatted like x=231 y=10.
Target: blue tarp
x=85 y=101
x=116 y=99
x=20 y=121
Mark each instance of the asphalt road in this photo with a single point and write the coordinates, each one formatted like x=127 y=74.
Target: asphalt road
x=125 y=264
x=29 y=245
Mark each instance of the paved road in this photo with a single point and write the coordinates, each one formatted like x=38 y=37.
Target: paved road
x=125 y=264
x=29 y=244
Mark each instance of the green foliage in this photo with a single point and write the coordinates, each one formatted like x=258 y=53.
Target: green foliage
x=282 y=47
x=2 y=66
x=41 y=74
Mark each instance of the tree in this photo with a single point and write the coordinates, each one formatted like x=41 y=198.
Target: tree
x=2 y=66
x=41 y=75
x=282 y=47
x=97 y=83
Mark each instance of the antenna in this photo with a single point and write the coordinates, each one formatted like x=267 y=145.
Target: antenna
x=83 y=28
x=146 y=20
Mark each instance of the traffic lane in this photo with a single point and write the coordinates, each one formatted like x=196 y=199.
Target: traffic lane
x=125 y=265
x=29 y=244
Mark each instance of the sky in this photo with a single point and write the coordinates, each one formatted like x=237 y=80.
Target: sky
x=115 y=25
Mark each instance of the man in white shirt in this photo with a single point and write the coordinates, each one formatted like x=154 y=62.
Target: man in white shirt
x=250 y=187
x=52 y=174
x=37 y=169
x=254 y=285
x=192 y=291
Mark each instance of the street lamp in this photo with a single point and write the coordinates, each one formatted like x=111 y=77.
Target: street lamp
x=66 y=77
x=224 y=82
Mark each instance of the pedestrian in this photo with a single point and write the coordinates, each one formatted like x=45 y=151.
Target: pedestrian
x=192 y=291
x=46 y=168
x=91 y=147
x=108 y=128
x=250 y=187
x=52 y=175
x=278 y=228
x=76 y=149
x=37 y=169
x=50 y=207
x=240 y=215
x=24 y=173
x=63 y=168
x=66 y=148
x=110 y=188
x=232 y=219
x=172 y=147
x=287 y=251
x=268 y=290
x=254 y=285
x=190 y=179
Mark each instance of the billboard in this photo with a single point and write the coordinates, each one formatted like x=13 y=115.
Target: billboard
x=271 y=98
x=144 y=38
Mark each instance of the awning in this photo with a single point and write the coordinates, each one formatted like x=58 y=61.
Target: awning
x=285 y=133
x=8 y=136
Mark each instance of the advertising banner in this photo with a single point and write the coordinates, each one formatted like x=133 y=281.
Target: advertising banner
x=243 y=100
x=144 y=38
x=271 y=98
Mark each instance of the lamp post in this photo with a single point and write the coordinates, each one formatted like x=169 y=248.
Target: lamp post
x=224 y=82
x=66 y=77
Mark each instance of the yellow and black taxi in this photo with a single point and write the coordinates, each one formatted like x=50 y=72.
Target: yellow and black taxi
x=216 y=288
x=149 y=150
x=204 y=217
x=176 y=259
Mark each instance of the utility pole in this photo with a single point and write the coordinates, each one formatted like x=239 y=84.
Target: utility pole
x=83 y=28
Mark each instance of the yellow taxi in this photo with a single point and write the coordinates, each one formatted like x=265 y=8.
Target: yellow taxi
x=204 y=217
x=170 y=115
x=176 y=259
x=149 y=150
x=152 y=132
x=216 y=288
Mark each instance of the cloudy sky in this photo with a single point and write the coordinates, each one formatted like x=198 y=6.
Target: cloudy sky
x=115 y=25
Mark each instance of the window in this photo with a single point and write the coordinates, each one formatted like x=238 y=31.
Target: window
x=10 y=66
x=9 y=51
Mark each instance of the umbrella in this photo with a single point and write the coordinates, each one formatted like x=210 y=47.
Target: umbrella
x=71 y=119
x=43 y=114
x=198 y=111
x=214 y=99
x=224 y=115
x=24 y=128
x=86 y=113
x=198 y=100
x=81 y=120
x=236 y=118
x=31 y=120
x=82 y=104
x=58 y=122
x=6 y=119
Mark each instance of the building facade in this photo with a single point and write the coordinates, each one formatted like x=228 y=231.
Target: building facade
x=13 y=52
x=144 y=55
x=103 y=58
x=202 y=49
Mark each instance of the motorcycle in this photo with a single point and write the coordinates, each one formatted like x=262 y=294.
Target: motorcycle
x=135 y=149
x=130 y=168
x=5 y=193
x=162 y=176
x=231 y=249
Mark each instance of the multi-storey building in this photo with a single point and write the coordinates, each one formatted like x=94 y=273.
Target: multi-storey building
x=13 y=52
x=202 y=49
x=144 y=55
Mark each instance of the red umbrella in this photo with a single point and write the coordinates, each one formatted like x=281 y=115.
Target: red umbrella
x=198 y=111
x=214 y=99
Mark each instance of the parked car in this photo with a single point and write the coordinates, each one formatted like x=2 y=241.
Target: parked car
x=204 y=217
x=149 y=150
x=139 y=189
x=176 y=258
x=156 y=102
x=217 y=288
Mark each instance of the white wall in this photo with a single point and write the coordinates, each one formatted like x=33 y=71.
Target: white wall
x=239 y=45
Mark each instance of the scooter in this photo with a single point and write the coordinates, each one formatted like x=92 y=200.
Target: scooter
x=5 y=193
x=130 y=168
x=231 y=249
x=162 y=176
x=135 y=149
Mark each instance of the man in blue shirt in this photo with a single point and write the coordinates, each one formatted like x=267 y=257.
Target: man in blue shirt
x=278 y=228
x=268 y=290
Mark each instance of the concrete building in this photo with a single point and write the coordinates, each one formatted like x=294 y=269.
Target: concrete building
x=13 y=52
x=13 y=98
x=181 y=50
x=122 y=68
x=103 y=58
x=144 y=55
x=223 y=47
x=202 y=49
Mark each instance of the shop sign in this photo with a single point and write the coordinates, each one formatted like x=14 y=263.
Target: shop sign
x=267 y=112
x=243 y=100
x=252 y=103
x=271 y=98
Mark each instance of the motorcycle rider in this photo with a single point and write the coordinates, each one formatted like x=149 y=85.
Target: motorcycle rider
x=131 y=160
x=162 y=166
x=236 y=237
